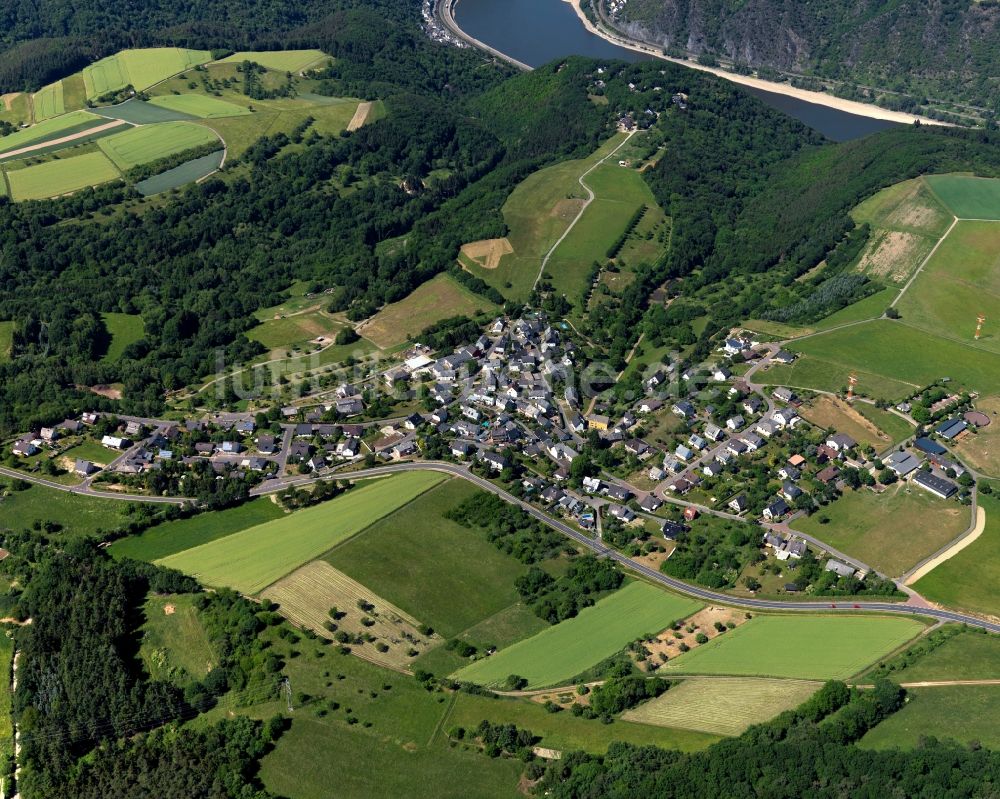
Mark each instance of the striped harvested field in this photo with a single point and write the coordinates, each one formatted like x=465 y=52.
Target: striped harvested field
x=722 y=705
x=306 y=596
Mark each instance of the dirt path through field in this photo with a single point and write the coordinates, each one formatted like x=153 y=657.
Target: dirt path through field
x=8 y=100
x=30 y=148
x=360 y=116
x=953 y=550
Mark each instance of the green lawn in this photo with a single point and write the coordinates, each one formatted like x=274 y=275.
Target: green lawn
x=810 y=372
x=436 y=570
x=892 y=531
x=965 y=656
x=538 y=212
x=723 y=705
x=149 y=143
x=280 y=60
x=898 y=352
x=78 y=515
x=569 y=648
x=199 y=105
x=971 y=579
x=125 y=329
x=968 y=197
x=53 y=178
x=869 y=308
x=6 y=336
x=90 y=450
x=804 y=647
x=962 y=713
x=959 y=282
x=252 y=559
x=175 y=646
x=569 y=733
x=172 y=537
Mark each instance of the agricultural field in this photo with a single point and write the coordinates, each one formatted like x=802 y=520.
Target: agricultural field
x=176 y=536
x=888 y=356
x=892 y=531
x=252 y=559
x=199 y=105
x=961 y=280
x=149 y=143
x=125 y=329
x=139 y=68
x=567 y=733
x=965 y=656
x=981 y=448
x=569 y=648
x=6 y=335
x=439 y=298
x=49 y=129
x=174 y=646
x=64 y=176
x=48 y=101
x=80 y=515
x=15 y=108
x=442 y=561
x=963 y=713
x=967 y=197
x=187 y=172
x=620 y=192
x=832 y=413
x=970 y=580
x=538 y=212
x=802 y=647
x=280 y=60
x=906 y=222
x=722 y=705
x=307 y=595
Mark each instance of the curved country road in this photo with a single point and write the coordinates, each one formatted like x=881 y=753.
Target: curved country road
x=848 y=605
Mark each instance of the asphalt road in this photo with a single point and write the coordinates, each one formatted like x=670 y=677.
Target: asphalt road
x=849 y=604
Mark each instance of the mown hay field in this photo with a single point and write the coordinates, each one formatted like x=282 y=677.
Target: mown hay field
x=307 y=595
x=722 y=705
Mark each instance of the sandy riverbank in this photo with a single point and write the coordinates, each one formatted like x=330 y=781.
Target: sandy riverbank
x=819 y=98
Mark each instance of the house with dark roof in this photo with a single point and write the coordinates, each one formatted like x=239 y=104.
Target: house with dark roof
x=902 y=463
x=929 y=447
x=776 y=509
x=950 y=428
x=936 y=485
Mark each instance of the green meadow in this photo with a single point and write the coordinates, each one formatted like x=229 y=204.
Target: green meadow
x=125 y=329
x=569 y=648
x=149 y=143
x=199 y=105
x=970 y=580
x=968 y=197
x=962 y=713
x=63 y=176
x=804 y=647
x=252 y=559
x=176 y=536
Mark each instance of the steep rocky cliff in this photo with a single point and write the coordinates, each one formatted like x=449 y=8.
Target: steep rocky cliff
x=946 y=49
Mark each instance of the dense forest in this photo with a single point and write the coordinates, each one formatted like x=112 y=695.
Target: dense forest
x=83 y=692
x=922 y=48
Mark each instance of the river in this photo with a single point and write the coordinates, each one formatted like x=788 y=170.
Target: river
x=538 y=31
